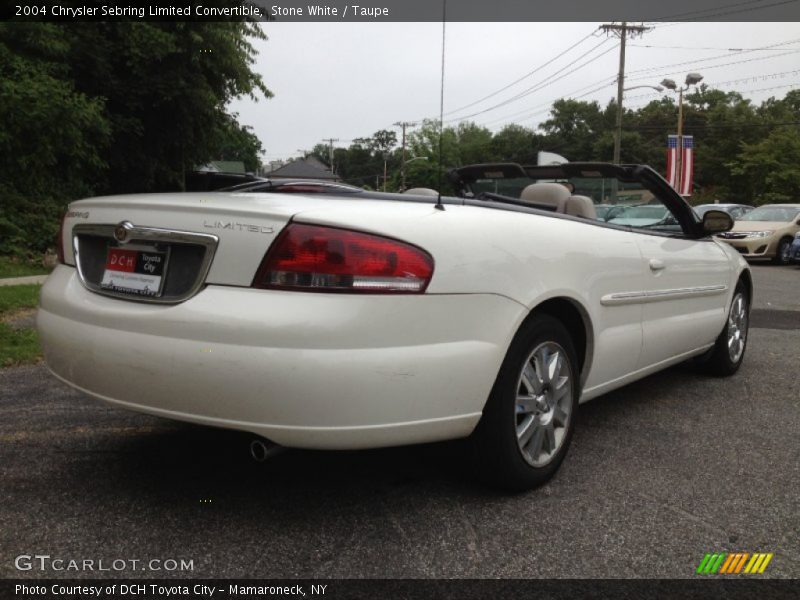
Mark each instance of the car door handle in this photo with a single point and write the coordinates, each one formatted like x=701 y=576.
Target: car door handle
x=656 y=265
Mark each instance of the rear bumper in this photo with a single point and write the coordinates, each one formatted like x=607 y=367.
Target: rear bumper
x=301 y=369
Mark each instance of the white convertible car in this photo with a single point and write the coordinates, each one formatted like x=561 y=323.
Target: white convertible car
x=322 y=316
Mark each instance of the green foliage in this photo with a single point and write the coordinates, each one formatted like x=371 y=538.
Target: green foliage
x=18 y=346
x=774 y=162
x=11 y=267
x=104 y=108
x=52 y=136
x=18 y=297
x=515 y=143
x=18 y=343
x=238 y=142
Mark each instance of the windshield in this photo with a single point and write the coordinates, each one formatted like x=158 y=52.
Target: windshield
x=703 y=209
x=643 y=212
x=771 y=213
x=600 y=189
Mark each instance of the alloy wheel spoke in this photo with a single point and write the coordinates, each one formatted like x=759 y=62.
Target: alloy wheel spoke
x=554 y=367
x=560 y=389
x=531 y=379
x=550 y=436
x=560 y=416
x=539 y=362
x=526 y=429
x=535 y=445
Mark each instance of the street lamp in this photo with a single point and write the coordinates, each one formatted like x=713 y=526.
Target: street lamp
x=403 y=170
x=657 y=88
x=618 y=133
x=691 y=79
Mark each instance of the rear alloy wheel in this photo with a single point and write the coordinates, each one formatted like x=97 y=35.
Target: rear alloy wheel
x=728 y=351
x=528 y=420
x=544 y=404
x=782 y=253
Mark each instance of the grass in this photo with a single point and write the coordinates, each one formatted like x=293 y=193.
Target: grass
x=18 y=345
x=10 y=267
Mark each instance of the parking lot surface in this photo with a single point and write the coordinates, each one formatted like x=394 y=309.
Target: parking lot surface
x=660 y=473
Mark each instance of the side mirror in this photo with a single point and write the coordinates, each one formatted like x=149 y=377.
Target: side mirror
x=716 y=221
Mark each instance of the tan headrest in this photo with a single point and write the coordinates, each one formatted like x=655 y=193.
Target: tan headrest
x=422 y=192
x=553 y=194
x=581 y=206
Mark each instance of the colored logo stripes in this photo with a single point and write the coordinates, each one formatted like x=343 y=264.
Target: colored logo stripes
x=730 y=563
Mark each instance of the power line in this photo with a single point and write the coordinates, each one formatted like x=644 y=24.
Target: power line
x=528 y=114
x=733 y=50
x=719 y=126
x=737 y=81
x=532 y=111
x=737 y=11
x=709 y=67
x=528 y=111
x=513 y=83
x=542 y=84
x=696 y=62
x=705 y=10
x=571 y=96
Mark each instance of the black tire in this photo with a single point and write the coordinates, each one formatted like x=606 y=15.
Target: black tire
x=499 y=454
x=720 y=360
x=782 y=252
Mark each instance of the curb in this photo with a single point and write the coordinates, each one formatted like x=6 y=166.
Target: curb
x=23 y=280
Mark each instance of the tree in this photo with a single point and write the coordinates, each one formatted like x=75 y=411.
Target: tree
x=515 y=143
x=238 y=142
x=772 y=166
x=166 y=86
x=89 y=108
x=53 y=138
x=574 y=128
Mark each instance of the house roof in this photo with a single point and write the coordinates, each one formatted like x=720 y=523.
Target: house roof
x=303 y=168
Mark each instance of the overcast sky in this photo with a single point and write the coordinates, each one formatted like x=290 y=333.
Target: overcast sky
x=349 y=80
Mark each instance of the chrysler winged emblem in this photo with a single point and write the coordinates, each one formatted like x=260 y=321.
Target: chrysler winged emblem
x=122 y=231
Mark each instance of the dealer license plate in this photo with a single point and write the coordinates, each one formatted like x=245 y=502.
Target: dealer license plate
x=135 y=272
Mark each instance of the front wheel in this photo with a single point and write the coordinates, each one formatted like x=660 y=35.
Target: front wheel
x=782 y=253
x=726 y=356
x=528 y=420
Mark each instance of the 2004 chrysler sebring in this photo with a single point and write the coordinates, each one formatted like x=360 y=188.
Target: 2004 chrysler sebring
x=323 y=316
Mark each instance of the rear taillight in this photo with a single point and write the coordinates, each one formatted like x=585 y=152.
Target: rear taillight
x=60 y=240
x=328 y=259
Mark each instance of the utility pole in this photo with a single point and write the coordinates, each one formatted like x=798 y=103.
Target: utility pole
x=330 y=150
x=403 y=124
x=622 y=30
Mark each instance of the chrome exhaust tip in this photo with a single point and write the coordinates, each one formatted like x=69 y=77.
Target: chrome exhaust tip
x=261 y=449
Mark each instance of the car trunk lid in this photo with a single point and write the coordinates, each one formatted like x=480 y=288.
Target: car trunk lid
x=184 y=240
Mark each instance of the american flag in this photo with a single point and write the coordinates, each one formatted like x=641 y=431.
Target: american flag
x=686 y=178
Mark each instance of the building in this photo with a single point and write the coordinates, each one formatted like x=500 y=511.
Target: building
x=302 y=168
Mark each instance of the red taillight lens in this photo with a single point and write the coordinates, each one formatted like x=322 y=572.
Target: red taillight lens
x=60 y=240
x=327 y=259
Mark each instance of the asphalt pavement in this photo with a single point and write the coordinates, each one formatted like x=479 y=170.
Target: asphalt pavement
x=660 y=473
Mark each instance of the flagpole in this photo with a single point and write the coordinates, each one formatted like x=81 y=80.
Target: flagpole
x=691 y=79
x=679 y=156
